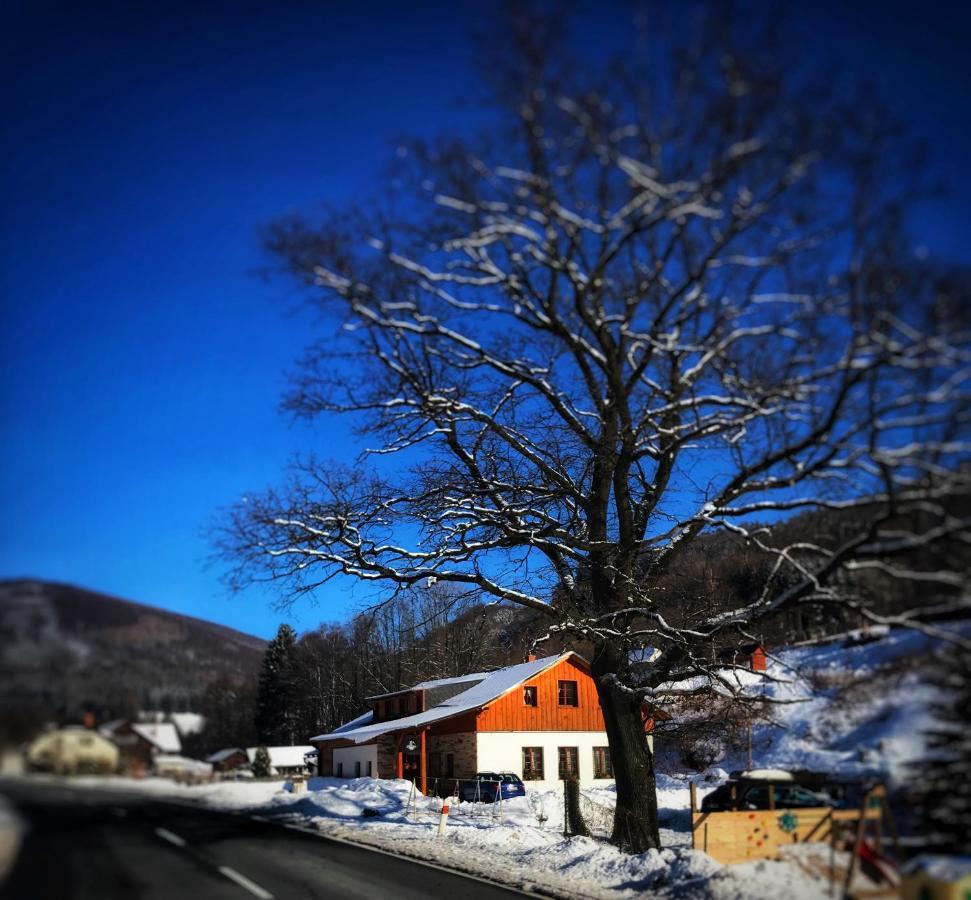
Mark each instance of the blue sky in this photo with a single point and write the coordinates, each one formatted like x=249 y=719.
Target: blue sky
x=142 y=360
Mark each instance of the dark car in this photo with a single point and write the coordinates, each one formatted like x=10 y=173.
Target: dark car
x=753 y=793
x=485 y=787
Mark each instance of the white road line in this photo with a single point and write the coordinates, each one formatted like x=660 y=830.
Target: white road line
x=167 y=835
x=244 y=882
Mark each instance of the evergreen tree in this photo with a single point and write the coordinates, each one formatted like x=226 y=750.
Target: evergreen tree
x=943 y=777
x=276 y=694
x=261 y=763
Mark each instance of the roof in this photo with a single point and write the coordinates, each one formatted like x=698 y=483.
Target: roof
x=487 y=687
x=282 y=757
x=162 y=734
x=220 y=755
x=188 y=722
x=437 y=683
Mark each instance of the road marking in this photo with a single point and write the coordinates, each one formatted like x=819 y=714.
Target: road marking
x=244 y=882
x=167 y=835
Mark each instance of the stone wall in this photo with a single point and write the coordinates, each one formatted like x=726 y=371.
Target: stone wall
x=462 y=748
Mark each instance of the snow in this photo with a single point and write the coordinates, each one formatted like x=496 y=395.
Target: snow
x=188 y=722
x=282 y=757
x=941 y=868
x=162 y=734
x=491 y=686
x=517 y=848
x=861 y=711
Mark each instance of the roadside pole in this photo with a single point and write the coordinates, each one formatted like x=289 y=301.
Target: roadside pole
x=443 y=820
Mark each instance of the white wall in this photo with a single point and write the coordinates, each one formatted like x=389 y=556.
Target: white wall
x=502 y=751
x=350 y=755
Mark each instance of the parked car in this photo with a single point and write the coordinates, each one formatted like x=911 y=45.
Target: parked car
x=751 y=791
x=485 y=787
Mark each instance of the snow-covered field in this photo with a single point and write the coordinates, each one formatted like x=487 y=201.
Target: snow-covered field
x=862 y=710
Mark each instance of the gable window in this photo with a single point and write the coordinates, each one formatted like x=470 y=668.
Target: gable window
x=602 y=767
x=532 y=763
x=529 y=696
x=569 y=762
x=567 y=693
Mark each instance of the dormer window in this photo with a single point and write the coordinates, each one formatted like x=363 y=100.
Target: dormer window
x=529 y=696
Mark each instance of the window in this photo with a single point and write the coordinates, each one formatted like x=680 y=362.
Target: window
x=569 y=762
x=567 y=693
x=529 y=695
x=601 y=763
x=340 y=770
x=357 y=769
x=449 y=765
x=532 y=763
x=369 y=772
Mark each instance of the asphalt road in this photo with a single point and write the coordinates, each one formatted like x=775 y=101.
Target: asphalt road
x=102 y=845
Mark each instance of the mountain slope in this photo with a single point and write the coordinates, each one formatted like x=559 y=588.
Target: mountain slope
x=64 y=649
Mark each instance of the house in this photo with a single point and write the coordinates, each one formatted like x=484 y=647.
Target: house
x=540 y=719
x=140 y=742
x=71 y=750
x=228 y=759
x=186 y=723
x=284 y=760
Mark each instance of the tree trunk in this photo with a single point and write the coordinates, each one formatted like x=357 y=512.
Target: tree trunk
x=635 y=819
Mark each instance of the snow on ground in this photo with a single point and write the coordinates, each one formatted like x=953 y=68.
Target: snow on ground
x=861 y=712
x=523 y=847
x=857 y=711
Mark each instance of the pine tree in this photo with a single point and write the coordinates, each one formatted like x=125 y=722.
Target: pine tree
x=261 y=763
x=943 y=778
x=276 y=700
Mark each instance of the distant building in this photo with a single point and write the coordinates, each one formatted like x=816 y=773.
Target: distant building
x=73 y=750
x=140 y=742
x=283 y=760
x=540 y=719
x=228 y=759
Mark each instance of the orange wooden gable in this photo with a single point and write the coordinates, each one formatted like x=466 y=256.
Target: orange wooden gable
x=510 y=712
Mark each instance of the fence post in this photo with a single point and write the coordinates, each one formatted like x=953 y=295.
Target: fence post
x=573 y=823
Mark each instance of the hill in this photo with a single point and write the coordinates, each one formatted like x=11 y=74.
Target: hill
x=64 y=649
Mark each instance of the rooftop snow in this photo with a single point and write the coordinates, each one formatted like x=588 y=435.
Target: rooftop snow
x=188 y=722
x=282 y=757
x=492 y=686
x=162 y=734
x=439 y=682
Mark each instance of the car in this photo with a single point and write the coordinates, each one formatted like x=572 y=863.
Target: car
x=486 y=786
x=750 y=790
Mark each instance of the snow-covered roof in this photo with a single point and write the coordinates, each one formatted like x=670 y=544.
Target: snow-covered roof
x=188 y=722
x=173 y=761
x=220 y=755
x=282 y=757
x=437 y=683
x=491 y=686
x=162 y=734
x=355 y=723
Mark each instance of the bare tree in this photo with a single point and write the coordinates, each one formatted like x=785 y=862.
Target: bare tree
x=643 y=309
